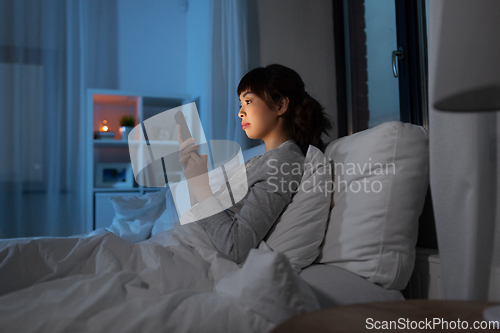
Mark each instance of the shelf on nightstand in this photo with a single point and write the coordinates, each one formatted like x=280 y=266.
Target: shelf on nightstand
x=112 y=105
x=118 y=143
x=117 y=189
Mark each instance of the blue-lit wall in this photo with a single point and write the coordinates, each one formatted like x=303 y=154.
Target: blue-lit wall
x=198 y=51
x=152 y=46
x=164 y=46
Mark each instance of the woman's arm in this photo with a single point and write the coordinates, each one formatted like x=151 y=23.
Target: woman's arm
x=192 y=197
x=271 y=190
x=186 y=150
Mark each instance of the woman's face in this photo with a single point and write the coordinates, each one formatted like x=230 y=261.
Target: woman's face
x=258 y=120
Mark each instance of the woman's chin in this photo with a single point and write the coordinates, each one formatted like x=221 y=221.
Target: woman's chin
x=250 y=136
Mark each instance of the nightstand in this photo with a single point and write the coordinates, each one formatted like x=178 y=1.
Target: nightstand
x=417 y=315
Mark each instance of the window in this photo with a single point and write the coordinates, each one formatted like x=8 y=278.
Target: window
x=381 y=58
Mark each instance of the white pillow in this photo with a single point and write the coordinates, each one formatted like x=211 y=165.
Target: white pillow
x=301 y=229
x=135 y=215
x=269 y=287
x=373 y=233
x=168 y=218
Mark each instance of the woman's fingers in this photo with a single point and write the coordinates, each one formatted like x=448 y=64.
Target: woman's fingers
x=185 y=147
x=187 y=155
x=199 y=159
x=186 y=144
x=194 y=157
x=188 y=150
x=183 y=160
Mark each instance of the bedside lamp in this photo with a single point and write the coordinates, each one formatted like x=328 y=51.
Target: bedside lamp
x=468 y=69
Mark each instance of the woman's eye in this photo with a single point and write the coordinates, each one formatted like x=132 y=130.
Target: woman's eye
x=247 y=101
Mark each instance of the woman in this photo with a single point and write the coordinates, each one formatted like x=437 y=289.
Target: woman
x=275 y=108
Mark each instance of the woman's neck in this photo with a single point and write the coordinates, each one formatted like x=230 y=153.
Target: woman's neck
x=275 y=142
x=276 y=137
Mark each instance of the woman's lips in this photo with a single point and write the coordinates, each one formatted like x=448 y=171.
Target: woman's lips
x=244 y=125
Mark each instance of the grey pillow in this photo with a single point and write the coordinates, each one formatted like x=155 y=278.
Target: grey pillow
x=301 y=229
x=381 y=177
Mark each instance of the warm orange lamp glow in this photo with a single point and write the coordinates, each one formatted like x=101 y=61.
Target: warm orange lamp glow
x=104 y=128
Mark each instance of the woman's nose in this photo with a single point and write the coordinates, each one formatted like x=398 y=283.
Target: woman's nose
x=240 y=114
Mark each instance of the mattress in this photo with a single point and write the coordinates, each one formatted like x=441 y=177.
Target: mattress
x=335 y=286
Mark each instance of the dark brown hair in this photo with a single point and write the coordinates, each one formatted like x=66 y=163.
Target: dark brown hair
x=305 y=118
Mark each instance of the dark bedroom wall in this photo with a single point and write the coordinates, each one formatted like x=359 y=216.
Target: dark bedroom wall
x=297 y=34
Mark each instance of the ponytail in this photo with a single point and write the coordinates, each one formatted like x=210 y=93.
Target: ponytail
x=308 y=122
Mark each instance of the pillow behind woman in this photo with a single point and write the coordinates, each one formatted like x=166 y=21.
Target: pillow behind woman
x=301 y=229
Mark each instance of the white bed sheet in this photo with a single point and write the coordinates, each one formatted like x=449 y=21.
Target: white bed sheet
x=173 y=282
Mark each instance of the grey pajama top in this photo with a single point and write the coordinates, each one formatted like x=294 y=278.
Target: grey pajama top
x=273 y=178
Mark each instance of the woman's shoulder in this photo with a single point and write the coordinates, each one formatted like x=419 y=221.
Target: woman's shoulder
x=252 y=161
x=286 y=156
x=287 y=151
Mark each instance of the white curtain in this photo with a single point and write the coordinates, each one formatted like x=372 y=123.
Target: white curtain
x=50 y=53
x=228 y=63
x=464 y=157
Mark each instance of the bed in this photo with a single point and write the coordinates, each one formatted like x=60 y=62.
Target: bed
x=335 y=244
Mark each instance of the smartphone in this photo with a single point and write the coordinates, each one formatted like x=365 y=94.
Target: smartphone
x=185 y=133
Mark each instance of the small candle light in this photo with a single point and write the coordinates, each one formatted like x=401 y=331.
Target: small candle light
x=104 y=128
x=104 y=132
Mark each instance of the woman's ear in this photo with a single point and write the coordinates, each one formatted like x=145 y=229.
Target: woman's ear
x=283 y=106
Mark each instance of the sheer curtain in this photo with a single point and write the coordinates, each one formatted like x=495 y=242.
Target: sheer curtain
x=48 y=58
x=464 y=154
x=228 y=63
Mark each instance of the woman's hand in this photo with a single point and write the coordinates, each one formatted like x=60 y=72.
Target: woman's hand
x=195 y=167
x=196 y=173
x=196 y=170
x=185 y=148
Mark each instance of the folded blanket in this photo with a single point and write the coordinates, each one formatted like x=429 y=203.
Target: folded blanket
x=175 y=282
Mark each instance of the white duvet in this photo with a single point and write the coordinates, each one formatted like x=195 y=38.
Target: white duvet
x=173 y=282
